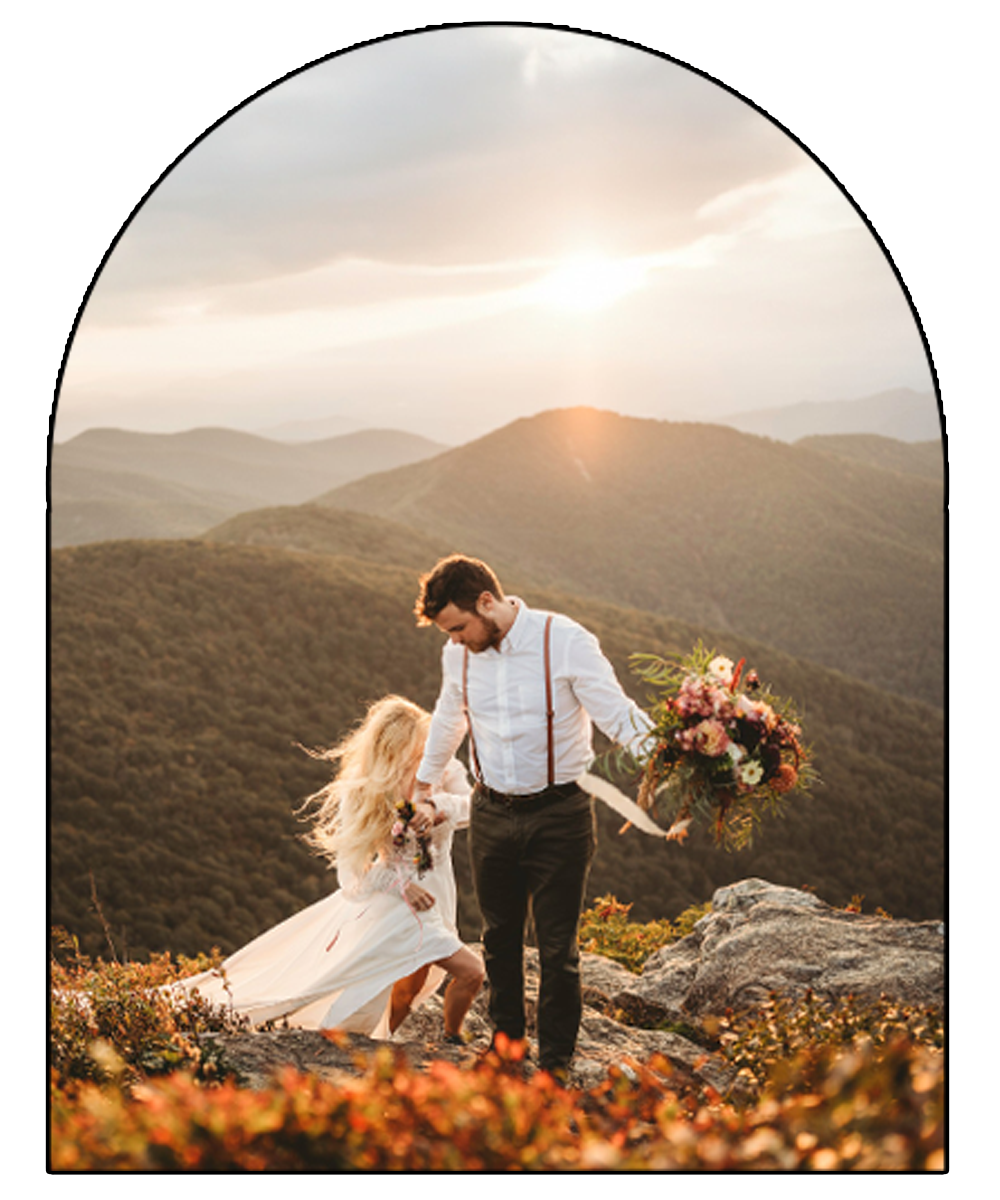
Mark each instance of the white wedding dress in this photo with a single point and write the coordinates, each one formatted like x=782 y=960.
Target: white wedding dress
x=332 y=965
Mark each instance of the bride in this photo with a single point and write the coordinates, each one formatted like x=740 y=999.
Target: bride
x=361 y=958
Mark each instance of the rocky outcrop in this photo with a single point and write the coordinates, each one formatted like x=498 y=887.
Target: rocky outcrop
x=758 y=940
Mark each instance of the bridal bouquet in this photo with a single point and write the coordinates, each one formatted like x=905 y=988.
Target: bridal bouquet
x=401 y=834
x=723 y=749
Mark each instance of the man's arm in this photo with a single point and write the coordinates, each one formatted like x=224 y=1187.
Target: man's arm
x=448 y=728
x=597 y=688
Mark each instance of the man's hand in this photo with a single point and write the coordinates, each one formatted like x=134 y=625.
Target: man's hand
x=424 y=815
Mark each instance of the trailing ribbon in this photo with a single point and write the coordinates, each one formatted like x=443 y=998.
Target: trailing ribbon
x=608 y=794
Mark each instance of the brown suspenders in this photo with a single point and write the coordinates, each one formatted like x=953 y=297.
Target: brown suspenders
x=549 y=710
x=549 y=707
x=468 y=718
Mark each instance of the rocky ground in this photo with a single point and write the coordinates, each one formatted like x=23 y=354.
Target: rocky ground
x=758 y=940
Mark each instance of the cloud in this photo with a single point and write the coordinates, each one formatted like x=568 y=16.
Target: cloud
x=452 y=146
x=801 y=202
x=377 y=231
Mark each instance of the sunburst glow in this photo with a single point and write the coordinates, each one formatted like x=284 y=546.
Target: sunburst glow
x=585 y=284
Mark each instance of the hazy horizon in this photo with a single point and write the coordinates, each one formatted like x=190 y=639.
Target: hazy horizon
x=312 y=428
x=447 y=230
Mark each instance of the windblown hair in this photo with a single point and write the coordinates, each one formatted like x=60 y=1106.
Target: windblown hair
x=454 y=580
x=355 y=812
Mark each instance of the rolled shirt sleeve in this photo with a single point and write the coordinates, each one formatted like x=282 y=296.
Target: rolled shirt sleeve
x=596 y=686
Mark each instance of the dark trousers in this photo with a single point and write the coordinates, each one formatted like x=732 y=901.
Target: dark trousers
x=539 y=855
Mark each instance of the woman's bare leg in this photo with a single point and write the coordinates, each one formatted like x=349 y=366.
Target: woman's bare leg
x=467 y=975
x=404 y=992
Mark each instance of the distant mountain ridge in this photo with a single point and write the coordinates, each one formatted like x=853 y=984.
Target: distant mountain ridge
x=312 y=429
x=900 y=413
x=112 y=483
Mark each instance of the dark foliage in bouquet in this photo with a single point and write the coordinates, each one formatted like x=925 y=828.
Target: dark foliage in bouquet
x=401 y=833
x=723 y=750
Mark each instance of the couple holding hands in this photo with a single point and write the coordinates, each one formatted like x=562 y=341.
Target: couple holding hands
x=525 y=687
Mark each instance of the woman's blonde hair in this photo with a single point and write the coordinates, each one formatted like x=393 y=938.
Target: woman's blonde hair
x=354 y=813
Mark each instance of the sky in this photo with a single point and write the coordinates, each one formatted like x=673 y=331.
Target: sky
x=447 y=230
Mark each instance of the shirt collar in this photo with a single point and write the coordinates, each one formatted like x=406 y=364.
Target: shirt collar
x=513 y=639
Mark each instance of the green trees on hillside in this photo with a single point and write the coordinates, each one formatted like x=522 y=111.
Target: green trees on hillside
x=182 y=678
x=184 y=673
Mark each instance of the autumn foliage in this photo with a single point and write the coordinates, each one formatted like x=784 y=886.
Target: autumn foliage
x=868 y=1109
x=819 y=1087
x=606 y=928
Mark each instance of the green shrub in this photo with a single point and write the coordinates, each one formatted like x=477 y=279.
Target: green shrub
x=114 y=1021
x=760 y=1043
x=605 y=928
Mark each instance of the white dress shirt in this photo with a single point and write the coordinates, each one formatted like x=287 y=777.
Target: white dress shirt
x=506 y=692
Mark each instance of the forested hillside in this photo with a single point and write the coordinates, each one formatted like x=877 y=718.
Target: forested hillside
x=184 y=673
x=318 y=530
x=925 y=459
x=826 y=557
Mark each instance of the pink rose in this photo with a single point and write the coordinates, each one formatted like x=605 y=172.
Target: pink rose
x=710 y=738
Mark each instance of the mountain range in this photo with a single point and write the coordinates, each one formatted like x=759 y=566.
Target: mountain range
x=184 y=670
x=821 y=555
x=899 y=413
x=114 y=483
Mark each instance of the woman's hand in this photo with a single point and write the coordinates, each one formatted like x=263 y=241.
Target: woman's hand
x=424 y=816
x=418 y=898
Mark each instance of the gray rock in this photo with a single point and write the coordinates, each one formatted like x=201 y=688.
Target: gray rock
x=761 y=939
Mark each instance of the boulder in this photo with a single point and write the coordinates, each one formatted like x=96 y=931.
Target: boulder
x=761 y=939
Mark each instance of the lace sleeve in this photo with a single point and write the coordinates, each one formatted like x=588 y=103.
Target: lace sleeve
x=452 y=795
x=386 y=875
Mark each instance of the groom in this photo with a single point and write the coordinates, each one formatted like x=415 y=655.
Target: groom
x=525 y=686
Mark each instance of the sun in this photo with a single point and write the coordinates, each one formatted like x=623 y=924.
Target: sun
x=586 y=283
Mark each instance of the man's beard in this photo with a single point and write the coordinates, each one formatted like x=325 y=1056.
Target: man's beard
x=491 y=636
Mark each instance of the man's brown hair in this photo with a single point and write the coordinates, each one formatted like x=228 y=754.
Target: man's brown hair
x=454 y=580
